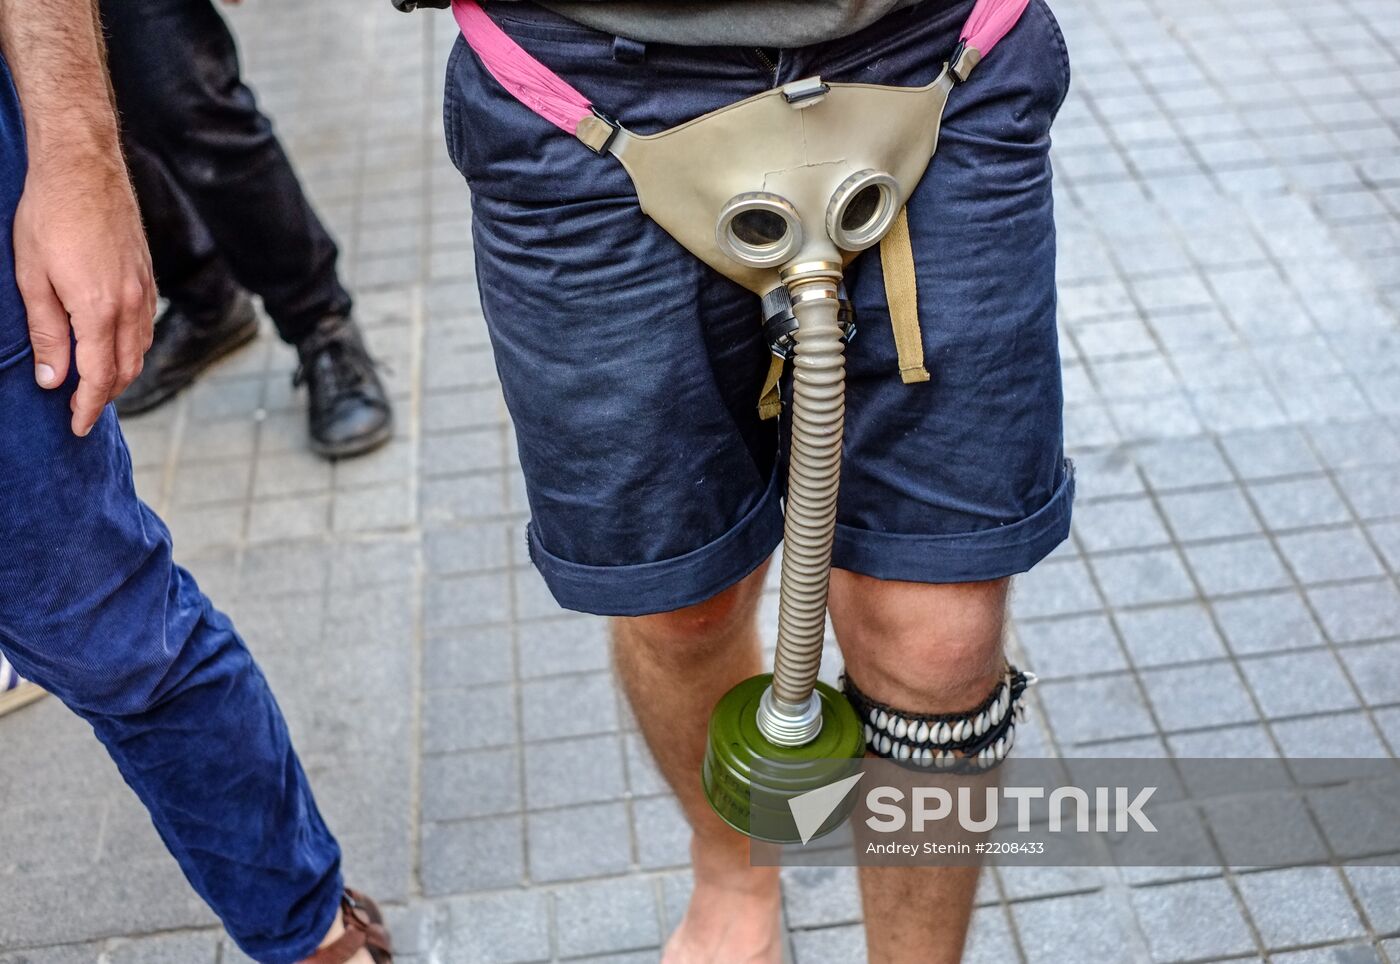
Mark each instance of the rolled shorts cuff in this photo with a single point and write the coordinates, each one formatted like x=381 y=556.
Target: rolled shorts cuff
x=959 y=557
x=669 y=584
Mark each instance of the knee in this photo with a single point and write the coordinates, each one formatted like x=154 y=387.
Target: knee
x=213 y=155
x=123 y=648
x=92 y=687
x=934 y=647
x=232 y=138
x=693 y=632
x=170 y=672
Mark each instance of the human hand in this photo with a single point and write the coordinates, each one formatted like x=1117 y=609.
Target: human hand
x=84 y=271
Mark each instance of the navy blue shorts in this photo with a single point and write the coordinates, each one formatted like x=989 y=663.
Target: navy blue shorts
x=632 y=371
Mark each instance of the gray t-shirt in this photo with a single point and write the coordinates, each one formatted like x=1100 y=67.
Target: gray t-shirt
x=748 y=23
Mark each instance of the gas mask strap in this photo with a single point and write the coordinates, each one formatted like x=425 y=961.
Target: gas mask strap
x=902 y=295
x=770 y=399
x=531 y=82
x=551 y=97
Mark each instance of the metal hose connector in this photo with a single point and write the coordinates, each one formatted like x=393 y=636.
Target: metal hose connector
x=791 y=717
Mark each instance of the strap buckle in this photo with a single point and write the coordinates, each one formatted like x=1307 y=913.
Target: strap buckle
x=598 y=131
x=779 y=323
x=805 y=92
x=845 y=314
x=962 y=61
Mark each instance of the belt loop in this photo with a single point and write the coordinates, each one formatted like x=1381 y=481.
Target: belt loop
x=628 y=51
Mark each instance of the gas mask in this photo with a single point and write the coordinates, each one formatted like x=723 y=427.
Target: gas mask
x=806 y=173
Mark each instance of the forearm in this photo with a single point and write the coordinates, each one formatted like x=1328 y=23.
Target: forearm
x=55 y=52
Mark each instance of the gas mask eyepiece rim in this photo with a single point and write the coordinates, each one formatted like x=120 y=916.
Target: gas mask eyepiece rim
x=862 y=209
x=759 y=229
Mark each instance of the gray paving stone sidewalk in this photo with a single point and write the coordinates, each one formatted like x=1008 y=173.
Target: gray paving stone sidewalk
x=1228 y=176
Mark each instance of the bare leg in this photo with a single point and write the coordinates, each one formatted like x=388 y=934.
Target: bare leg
x=928 y=649
x=674 y=668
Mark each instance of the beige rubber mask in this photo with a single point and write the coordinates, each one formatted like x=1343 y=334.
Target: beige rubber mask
x=806 y=173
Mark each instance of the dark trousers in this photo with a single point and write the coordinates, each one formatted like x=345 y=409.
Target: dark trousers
x=221 y=202
x=94 y=609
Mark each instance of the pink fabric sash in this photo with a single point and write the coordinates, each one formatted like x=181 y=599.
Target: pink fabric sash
x=528 y=80
x=547 y=94
x=990 y=21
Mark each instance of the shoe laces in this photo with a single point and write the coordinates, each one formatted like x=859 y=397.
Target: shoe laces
x=337 y=360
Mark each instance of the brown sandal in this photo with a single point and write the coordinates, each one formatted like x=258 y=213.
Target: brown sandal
x=364 y=927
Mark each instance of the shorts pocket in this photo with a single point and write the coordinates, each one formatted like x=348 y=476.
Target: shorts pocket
x=10 y=353
x=452 y=106
x=546 y=26
x=14 y=322
x=1061 y=50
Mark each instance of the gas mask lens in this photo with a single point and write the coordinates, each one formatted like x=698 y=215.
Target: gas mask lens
x=861 y=210
x=759 y=229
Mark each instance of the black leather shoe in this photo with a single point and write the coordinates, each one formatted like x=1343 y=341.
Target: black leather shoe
x=181 y=350
x=348 y=410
